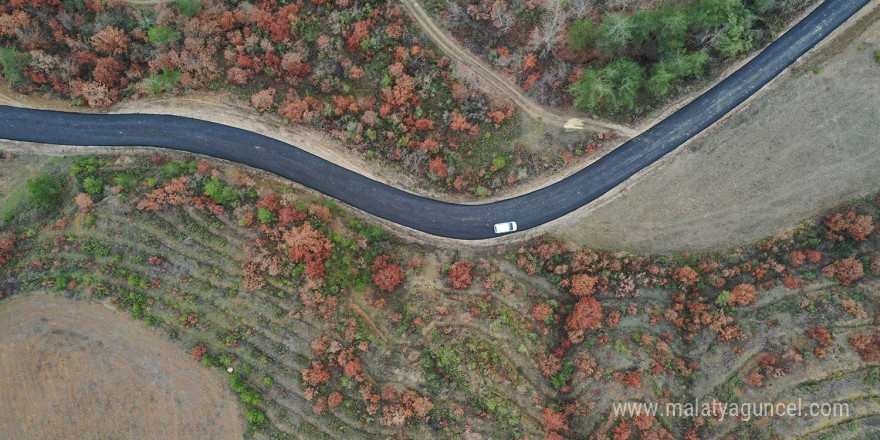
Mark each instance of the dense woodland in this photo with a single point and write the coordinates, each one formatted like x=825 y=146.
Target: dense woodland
x=617 y=58
x=350 y=68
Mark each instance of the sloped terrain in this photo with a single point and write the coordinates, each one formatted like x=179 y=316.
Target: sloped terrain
x=332 y=328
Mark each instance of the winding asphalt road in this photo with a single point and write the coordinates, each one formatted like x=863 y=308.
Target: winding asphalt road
x=468 y=222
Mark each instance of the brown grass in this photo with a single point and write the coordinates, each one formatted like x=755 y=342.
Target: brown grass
x=79 y=370
x=797 y=149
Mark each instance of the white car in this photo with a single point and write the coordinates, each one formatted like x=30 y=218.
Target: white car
x=503 y=228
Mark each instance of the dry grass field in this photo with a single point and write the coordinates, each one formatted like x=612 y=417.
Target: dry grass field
x=798 y=149
x=74 y=369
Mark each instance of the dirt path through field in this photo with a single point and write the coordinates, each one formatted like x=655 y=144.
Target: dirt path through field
x=77 y=370
x=501 y=84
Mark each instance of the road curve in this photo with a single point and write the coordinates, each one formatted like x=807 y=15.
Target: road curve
x=467 y=222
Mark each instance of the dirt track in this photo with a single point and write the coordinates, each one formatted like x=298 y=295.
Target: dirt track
x=74 y=370
x=504 y=86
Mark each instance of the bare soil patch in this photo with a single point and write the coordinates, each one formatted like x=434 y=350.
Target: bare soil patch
x=807 y=144
x=80 y=370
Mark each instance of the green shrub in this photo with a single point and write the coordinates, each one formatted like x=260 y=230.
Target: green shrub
x=732 y=18
x=162 y=35
x=45 y=191
x=177 y=169
x=265 y=215
x=12 y=62
x=126 y=181
x=611 y=89
x=85 y=166
x=225 y=360
x=615 y=33
x=137 y=302
x=561 y=379
x=442 y=366
x=672 y=67
x=61 y=283
x=222 y=194
x=237 y=383
x=189 y=8
x=93 y=186
x=499 y=162
x=250 y=396
x=737 y=36
x=245 y=392
x=255 y=416
x=582 y=34
x=159 y=83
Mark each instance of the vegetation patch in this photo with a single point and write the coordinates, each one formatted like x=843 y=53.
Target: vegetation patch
x=326 y=326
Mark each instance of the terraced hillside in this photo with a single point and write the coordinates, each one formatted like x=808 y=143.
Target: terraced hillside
x=329 y=327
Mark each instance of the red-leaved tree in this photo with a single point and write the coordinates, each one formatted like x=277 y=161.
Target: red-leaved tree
x=386 y=275
x=846 y=270
x=460 y=274
x=7 y=246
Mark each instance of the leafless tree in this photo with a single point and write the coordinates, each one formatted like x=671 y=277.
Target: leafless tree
x=622 y=5
x=416 y=162
x=547 y=35
x=457 y=15
x=502 y=16
x=581 y=8
x=546 y=85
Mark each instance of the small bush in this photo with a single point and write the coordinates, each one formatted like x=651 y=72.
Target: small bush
x=94 y=247
x=93 y=186
x=177 y=169
x=265 y=215
x=189 y=8
x=12 y=62
x=611 y=89
x=85 y=166
x=125 y=181
x=582 y=34
x=222 y=194
x=255 y=416
x=45 y=191
x=159 y=83
x=162 y=35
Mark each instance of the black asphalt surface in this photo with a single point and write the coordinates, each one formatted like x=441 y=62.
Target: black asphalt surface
x=469 y=222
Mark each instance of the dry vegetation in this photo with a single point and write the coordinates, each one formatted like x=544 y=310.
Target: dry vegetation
x=334 y=329
x=353 y=70
x=78 y=370
x=618 y=58
x=798 y=149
